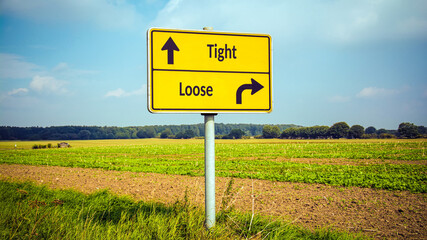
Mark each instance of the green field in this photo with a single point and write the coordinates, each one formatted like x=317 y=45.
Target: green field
x=383 y=164
x=33 y=212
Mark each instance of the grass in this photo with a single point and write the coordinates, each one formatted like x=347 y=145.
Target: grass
x=254 y=158
x=33 y=212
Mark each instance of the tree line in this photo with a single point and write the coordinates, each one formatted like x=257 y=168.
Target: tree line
x=343 y=130
x=224 y=131
x=96 y=132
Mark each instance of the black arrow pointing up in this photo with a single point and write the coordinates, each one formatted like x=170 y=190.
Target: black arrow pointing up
x=255 y=86
x=170 y=46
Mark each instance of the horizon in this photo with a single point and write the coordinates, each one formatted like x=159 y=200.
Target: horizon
x=173 y=124
x=79 y=63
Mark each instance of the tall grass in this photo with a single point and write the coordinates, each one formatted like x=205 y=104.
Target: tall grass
x=32 y=212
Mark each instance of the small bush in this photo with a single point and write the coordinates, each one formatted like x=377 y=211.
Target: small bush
x=218 y=136
x=369 y=136
x=387 y=135
x=41 y=146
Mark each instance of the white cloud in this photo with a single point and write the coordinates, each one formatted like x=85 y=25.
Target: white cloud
x=17 y=91
x=102 y=13
x=332 y=21
x=48 y=84
x=370 y=92
x=63 y=70
x=116 y=93
x=62 y=66
x=412 y=26
x=171 y=6
x=15 y=67
x=355 y=21
x=122 y=93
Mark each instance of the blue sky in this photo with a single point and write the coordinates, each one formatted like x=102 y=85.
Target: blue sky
x=78 y=62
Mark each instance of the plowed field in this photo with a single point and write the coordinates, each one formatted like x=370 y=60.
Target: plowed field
x=382 y=211
x=378 y=213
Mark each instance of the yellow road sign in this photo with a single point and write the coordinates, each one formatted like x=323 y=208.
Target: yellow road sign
x=208 y=72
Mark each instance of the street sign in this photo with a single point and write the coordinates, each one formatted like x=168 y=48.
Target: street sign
x=208 y=72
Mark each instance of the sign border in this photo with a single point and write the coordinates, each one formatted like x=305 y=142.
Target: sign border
x=150 y=70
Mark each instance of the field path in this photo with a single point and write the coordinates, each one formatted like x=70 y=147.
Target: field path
x=377 y=213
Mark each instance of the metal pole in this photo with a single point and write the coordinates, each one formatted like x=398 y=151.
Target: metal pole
x=209 y=166
x=209 y=170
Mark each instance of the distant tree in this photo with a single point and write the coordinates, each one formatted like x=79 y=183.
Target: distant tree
x=339 y=130
x=132 y=132
x=186 y=134
x=195 y=130
x=305 y=132
x=370 y=130
x=166 y=133
x=408 y=130
x=72 y=132
x=122 y=135
x=236 y=134
x=320 y=131
x=189 y=134
x=47 y=132
x=287 y=133
x=146 y=132
x=150 y=132
x=270 y=131
x=141 y=133
x=84 y=134
x=381 y=131
x=266 y=131
x=179 y=135
x=356 y=131
x=276 y=132
x=109 y=135
x=253 y=129
x=6 y=133
x=422 y=130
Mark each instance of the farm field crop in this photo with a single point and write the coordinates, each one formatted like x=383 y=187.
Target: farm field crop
x=305 y=181
x=381 y=164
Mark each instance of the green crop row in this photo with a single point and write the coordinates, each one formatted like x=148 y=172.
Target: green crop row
x=250 y=161
x=360 y=150
x=381 y=176
x=345 y=149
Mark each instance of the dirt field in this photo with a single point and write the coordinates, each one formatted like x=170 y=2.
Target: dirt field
x=376 y=213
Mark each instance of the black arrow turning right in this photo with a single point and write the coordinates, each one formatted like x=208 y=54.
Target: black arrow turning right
x=170 y=46
x=255 y=86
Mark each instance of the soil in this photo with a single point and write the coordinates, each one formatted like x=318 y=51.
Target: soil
x=375 y=213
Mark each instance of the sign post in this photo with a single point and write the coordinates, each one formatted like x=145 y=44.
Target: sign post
x=208 y=72
x=209 y=170
x=210 y=218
